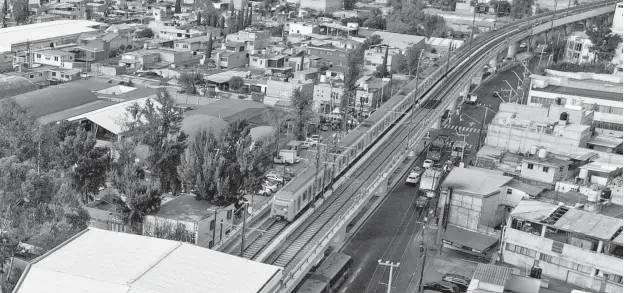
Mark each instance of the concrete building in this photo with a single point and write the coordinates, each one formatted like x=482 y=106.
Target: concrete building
x=6 y=62
x=371 y=93
x=108 y=42
x=41 y=35
x=253 y=39
x=374 y=57
x=579 y=247
x=232 y=55
x=139 y=59
x=281 y=91
x=600 y=93
x=97 y=260
x=52 y=57
x=578 y=47
x=327 y=6
x=264 y=61
x=476 y=207
x=192 y=44
x=202 y=223
x=519 y=128
x=618 y=19
x=337 y=56
x=303 y=28
x=546 y=168
x=327 y=95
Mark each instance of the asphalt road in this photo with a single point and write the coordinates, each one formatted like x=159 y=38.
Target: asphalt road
x=390 y=234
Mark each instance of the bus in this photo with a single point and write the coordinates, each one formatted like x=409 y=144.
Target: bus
x=329 y=276
x=458 y=149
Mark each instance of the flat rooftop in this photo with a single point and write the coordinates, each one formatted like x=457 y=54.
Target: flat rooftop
x=475 y=180
x=97 y=261
x=44 y=31
x=581 y=92
x=185 y=208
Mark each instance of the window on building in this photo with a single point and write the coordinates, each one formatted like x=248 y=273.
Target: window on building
x=557 y=247
x=223 y=59
x=32 y=76
x=578 y=46
x=614 y=278
x=545 y=169
x=576 y=55
x=581 y=268
x=54 y=74
x=561 y=169
x=608 y=125
x=521 y=250
x=549 y=259
x=39 y=56
x=55 y=58
x=229 y=214
x=530 y=166
x=509 y=191
x=212 y=224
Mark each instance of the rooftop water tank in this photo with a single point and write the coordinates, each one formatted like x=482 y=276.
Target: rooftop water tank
x=533 y=150
x=542 y=153
x=606 y=193
x=592 y=195
x=563 y=118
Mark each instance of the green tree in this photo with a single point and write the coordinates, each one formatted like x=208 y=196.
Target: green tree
x=501 y=8
x=5 y=13
x=20 y=11
x=277 y=118
x=604 y=43
x=375 y=22
x=157 y=125
x=17 y=131
x=199 y=18
x=349 y=4
x=382 y=69
x=190 y=82
x=198 y=167
x=145 y=33
x=302 y=103
x=521 y=8
x=236 y=83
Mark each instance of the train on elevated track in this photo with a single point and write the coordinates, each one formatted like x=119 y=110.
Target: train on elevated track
x=297 y=195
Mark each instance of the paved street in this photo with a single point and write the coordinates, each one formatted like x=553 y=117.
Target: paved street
x=472 y=115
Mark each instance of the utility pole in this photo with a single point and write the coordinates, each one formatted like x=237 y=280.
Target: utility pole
x=463 y=146
x=244 y=228
x=392 y=266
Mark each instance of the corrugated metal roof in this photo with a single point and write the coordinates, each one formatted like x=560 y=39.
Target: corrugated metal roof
x=15 y=85
x=533 y=210
x=594 y=225
x=100 y=261
x=55 y=99
x=477 y=181
x=493 y=274
x=111 y=117
x=528 y=188
x=605 y=140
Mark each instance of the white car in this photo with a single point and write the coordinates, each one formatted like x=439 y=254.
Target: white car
x=427 y=163
x=308 y=143
x=270 y=185
x=275 y=177
x=264 y=190
x=414 y=176
x=316 y=138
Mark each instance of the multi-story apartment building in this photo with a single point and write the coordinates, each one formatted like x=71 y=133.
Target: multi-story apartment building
x=578 y=48
x=139 y=59
x=371 y=93
x=327 y=95
x=303 y=28
x=52 y=57
x=264 y=61
x=374 y=57
x=337 y=56
x=601 y=94
x=253 y=39
x=232 y=55
x=579 y=247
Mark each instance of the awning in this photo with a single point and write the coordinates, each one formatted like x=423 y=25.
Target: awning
x=469 y=239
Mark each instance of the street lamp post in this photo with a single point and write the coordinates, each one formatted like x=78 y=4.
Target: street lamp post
x=392 y=266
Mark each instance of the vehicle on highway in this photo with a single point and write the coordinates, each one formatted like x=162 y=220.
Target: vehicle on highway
x=458 y=149
x=436 y=147
x=421 y=201
x=330 y=275
x=460 y=281
x=430 y=181
x=414 y=176
x=471 y=99
x=427 y=163
x=287 y=157
x=444 y=287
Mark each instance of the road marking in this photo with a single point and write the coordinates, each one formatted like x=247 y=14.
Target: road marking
x=462 y=129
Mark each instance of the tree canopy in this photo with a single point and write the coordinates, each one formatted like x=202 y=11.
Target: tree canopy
x=302 y=101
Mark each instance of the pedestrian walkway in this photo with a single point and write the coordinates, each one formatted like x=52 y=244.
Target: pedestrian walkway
x=462 y=129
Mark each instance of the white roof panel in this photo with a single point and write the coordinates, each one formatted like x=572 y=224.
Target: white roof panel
x=112 y=117
x=100 y=261
x=44 y=30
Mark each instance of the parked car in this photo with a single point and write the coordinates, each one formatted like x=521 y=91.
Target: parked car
x=316 y=138
x=459 y=281
x=444 y=287
x=414 y=176
x=264 y=190
x=270 y=185
x=427 y=163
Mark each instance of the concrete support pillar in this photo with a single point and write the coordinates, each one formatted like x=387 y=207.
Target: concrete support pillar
x=452 y=105
x=478 y=77
x=341 y=235
x=437 y=123
x=543 y=231
x=600 y=245
x=466 y=90
x=494 y=64
x=512 y=50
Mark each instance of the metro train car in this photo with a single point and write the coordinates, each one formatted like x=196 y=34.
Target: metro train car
x=295 y=197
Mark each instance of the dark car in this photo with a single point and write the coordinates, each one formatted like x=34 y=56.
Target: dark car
x=444 y=287
x=457 y=280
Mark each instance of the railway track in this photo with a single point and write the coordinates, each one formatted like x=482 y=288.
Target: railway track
x=294 y=247
x=258 y=240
